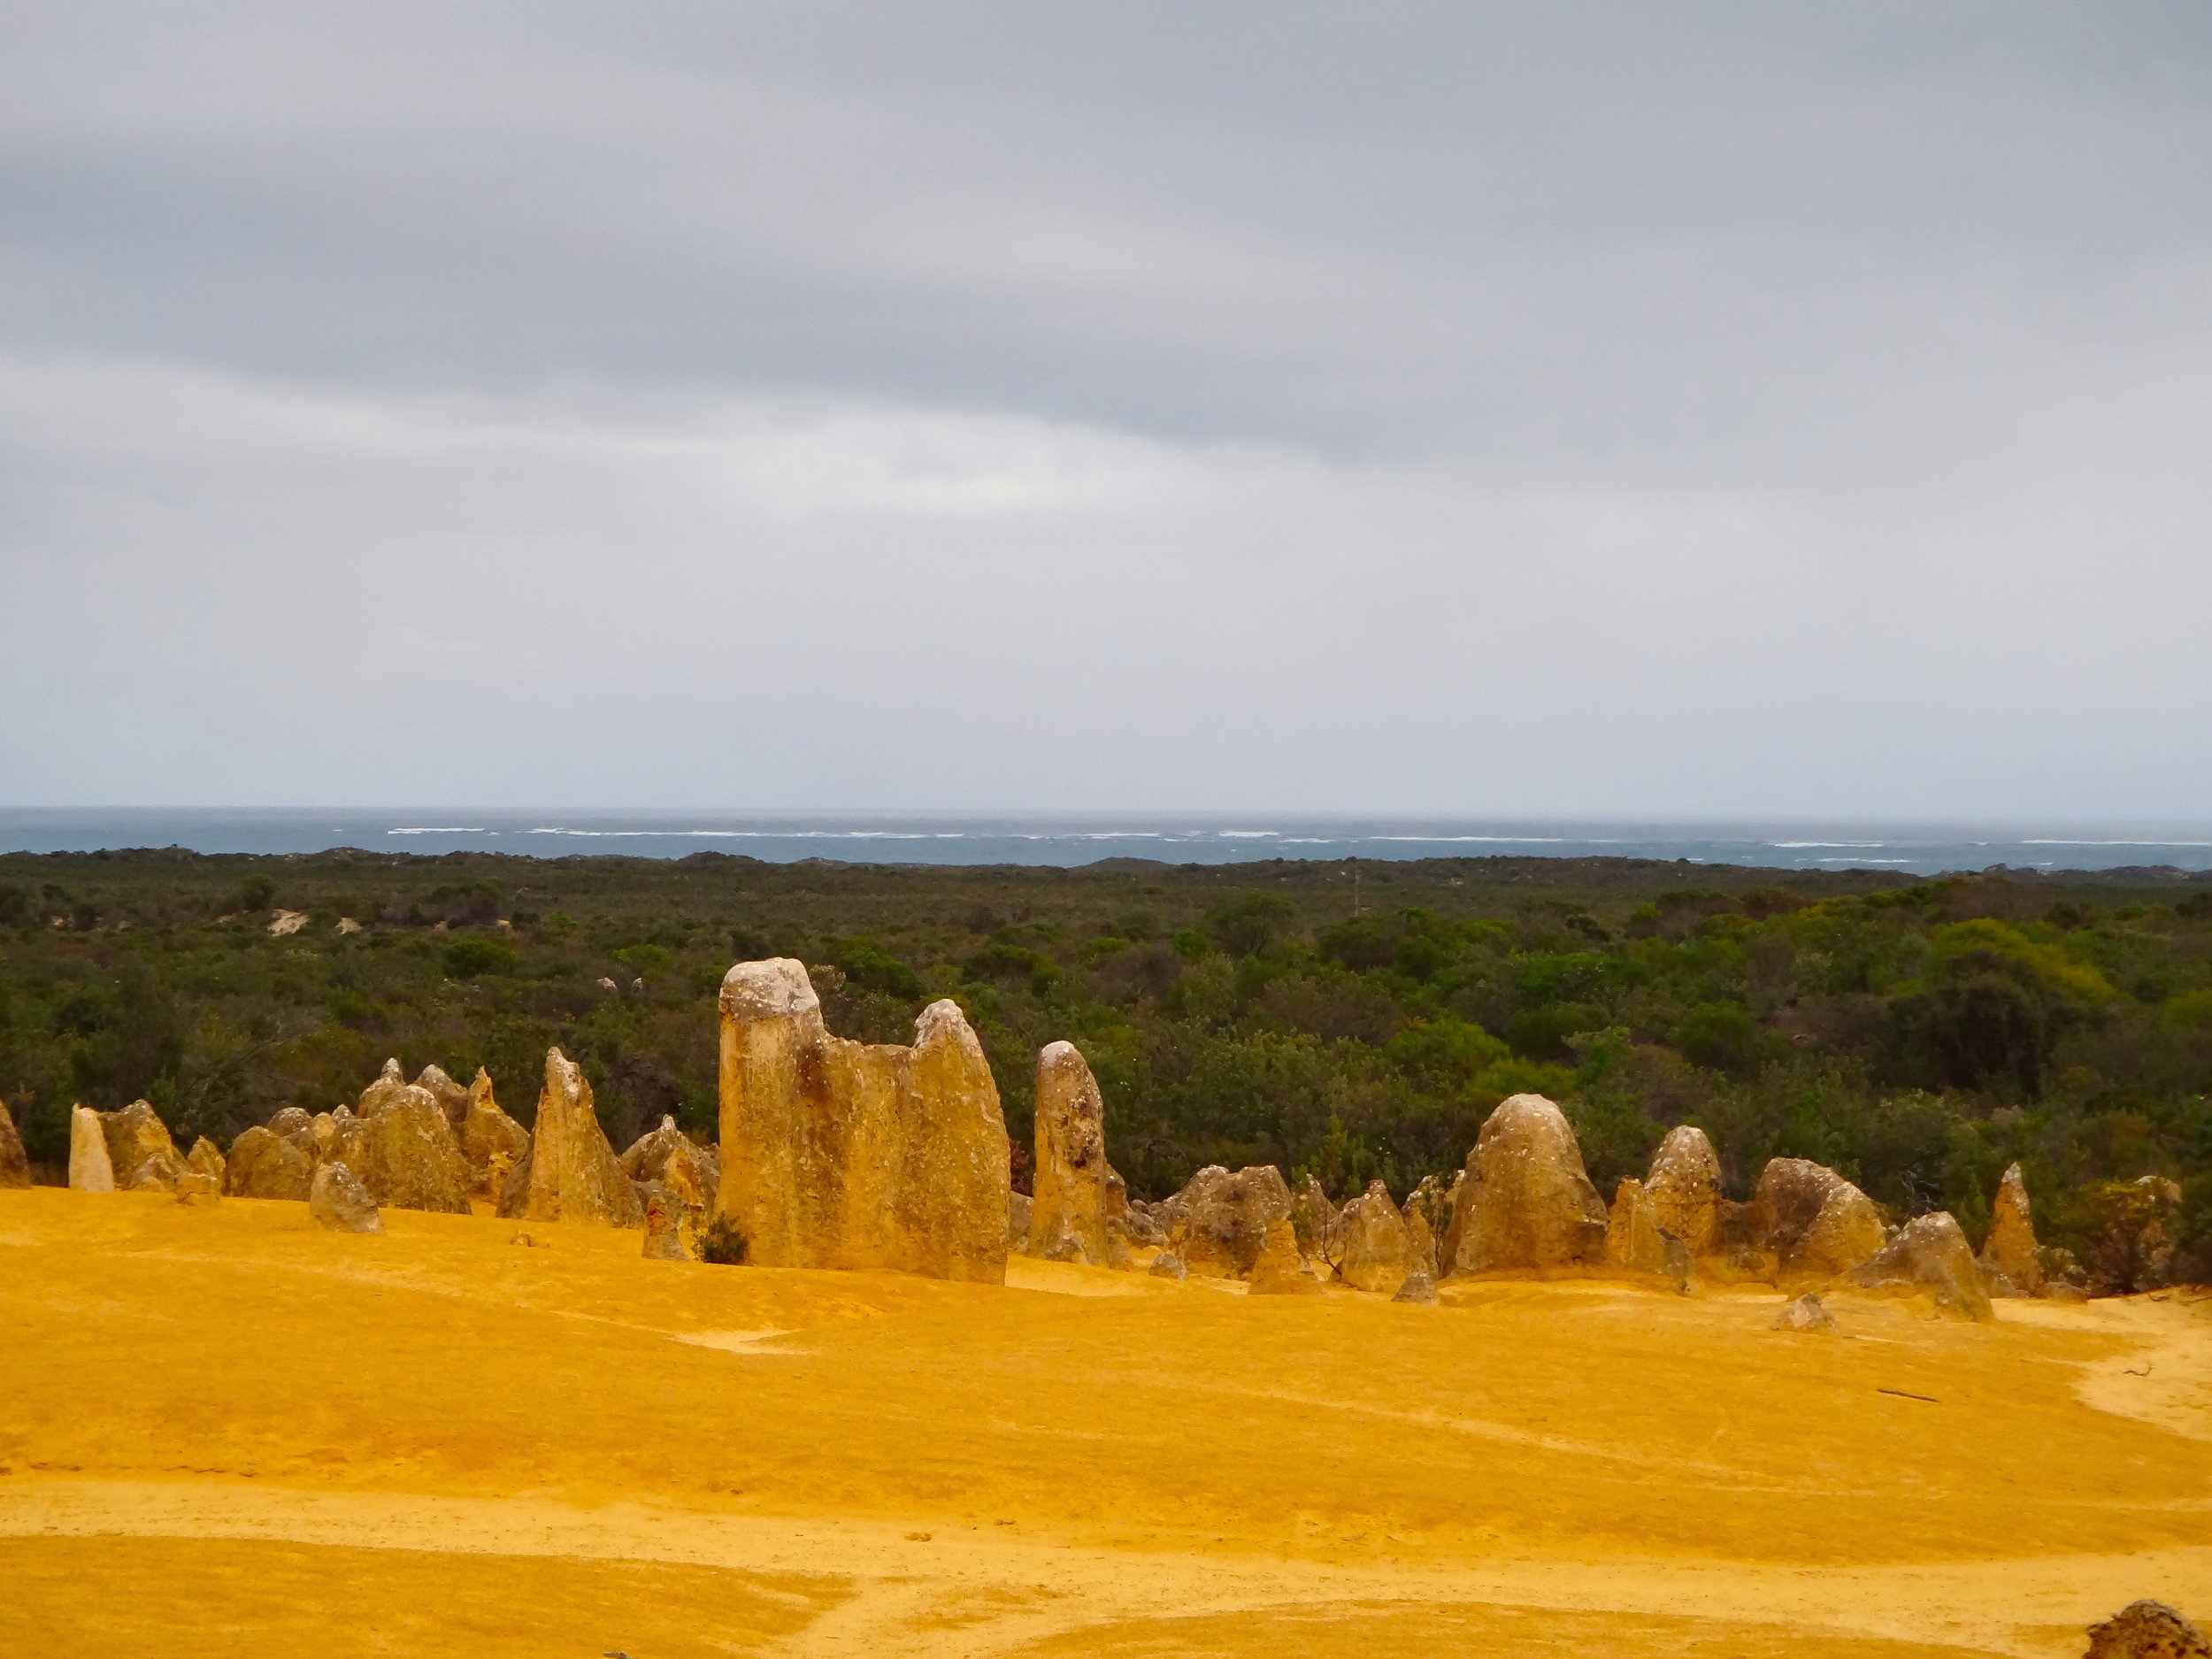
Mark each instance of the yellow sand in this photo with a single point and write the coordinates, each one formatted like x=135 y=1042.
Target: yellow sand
x=224 y=1431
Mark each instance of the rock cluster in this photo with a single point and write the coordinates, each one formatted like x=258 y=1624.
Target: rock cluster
x=2147 y=1630
x=571 y=1173
x=840 y=1153
x=1526 y=1202
x=1930 y=1254
x=401 y=1147
x=121 y=1151
x=1068 y=1217
x=265 y=1164
x=668 y=1161
x=15 y=1167
x=1219 y=1222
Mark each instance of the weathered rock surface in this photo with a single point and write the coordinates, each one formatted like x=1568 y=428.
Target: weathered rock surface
x=1219 y=1221
x=1636 y=1244
x=2147 y=1630
x=1167 y=1264
x=404 y=1155
x=15 y=1165
x=1279 y=1270
x=1683 y=1189
x=90 y=1168
x=663 y=1231
x=206 y=1158
x=1068 y=1214
x=1807 y=1313
x=264 y=1164
x=1418 y=1287
x=667 y=1158
x=389 y=1083
x=1929 y=1254
x=142 y=1157
x=571 y=1173
x=1525 y=1204
x=1021 y=1208
x=1815 y=1224
x=840 y=1153
x=340 y=1202
x=1374 y=1251
x=198 y=1188
x=2011 y=1252
x=291 y=1120
x=492 y=1143
x=1314 y=1218
x=1428 y=1216
x=452 y=1099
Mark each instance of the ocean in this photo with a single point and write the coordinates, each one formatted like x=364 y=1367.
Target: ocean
x=1072 y=839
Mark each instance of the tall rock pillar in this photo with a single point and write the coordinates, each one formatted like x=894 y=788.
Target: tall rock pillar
x=1067 y=1218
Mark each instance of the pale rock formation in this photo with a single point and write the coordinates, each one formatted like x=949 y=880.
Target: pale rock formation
x=1279 y=1270
x=90 y=1168
x=451 y=1096
x=1374 y=1251
x=1807 y=1313
x=1020 y=1209
x=206 y=1158
x=1683 y=1189
x=1116 y=1195
x=1525 y=1204
x=1068 y=1213
x=1167 y=1264
x=388 y=1085
x=1219 y=1221
x=492 y=1143
x=1428 y=1215
x=664 y=1232
x=404 y=1155
x=1636 y=1244
x=287 y=923
x=291 y=1120
x=15 y=1165
x=140 y=1151
x=840 y=1153
x=1137 y=1226
x=1929 y=1254
x=265 y=1164
x=689 y=1173
x=199 y=1188
x=2009 y=1253
x=1813 y=1222
x=1418 y=1287
x=341 y=1203
x=571 y=1173
x=2147 y=1630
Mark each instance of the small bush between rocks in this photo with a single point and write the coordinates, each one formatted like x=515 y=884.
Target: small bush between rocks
x=723 y=1243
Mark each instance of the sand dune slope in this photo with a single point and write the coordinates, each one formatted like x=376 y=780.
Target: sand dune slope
x=224 y=1431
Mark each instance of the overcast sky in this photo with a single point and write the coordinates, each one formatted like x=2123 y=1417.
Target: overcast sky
x=1635 y=409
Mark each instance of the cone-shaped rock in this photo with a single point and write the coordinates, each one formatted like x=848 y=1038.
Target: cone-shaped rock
x=15 y=1165
x=291 y=1120
x=1279 y=1270
x=264 y=1164
x=1374 y=1251
x=90 y=1168
x=140 y=1151
x=492 y=1143
x=664 y=1232
x=1812 y=1221
x=1930 y=1254
x=571 y=1173
x=1683 y=1188
x=1167 y=1264
x=840 y=1153
x=206 y=1158
x=1418 y=1287
x=1218 y=1222
x=404 y=1154
x=1525 y=1204
x=340 y=1202
x=2147 y=1630
x=452 y=1099
x=689 y=1173
x=389 y=1083
x=2010 y=1248
x=1804 y=1314
x=1428 y=1213
x=1067 y=1215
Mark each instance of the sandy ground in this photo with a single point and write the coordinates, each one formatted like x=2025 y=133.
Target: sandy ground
x=224 y=1431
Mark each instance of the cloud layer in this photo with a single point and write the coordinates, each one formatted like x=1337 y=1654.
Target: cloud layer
x=1471 y=411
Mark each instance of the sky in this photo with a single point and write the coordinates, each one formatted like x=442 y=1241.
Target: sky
x=1627 y=409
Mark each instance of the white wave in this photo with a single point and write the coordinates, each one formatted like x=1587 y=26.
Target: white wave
x=1857 y=861
x=442 y=829
x=1503 y=840
x=2054 y=842
x=1827 y=843
x=1241 y=835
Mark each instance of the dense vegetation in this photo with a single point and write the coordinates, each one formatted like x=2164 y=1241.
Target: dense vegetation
x=1918 y=1035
